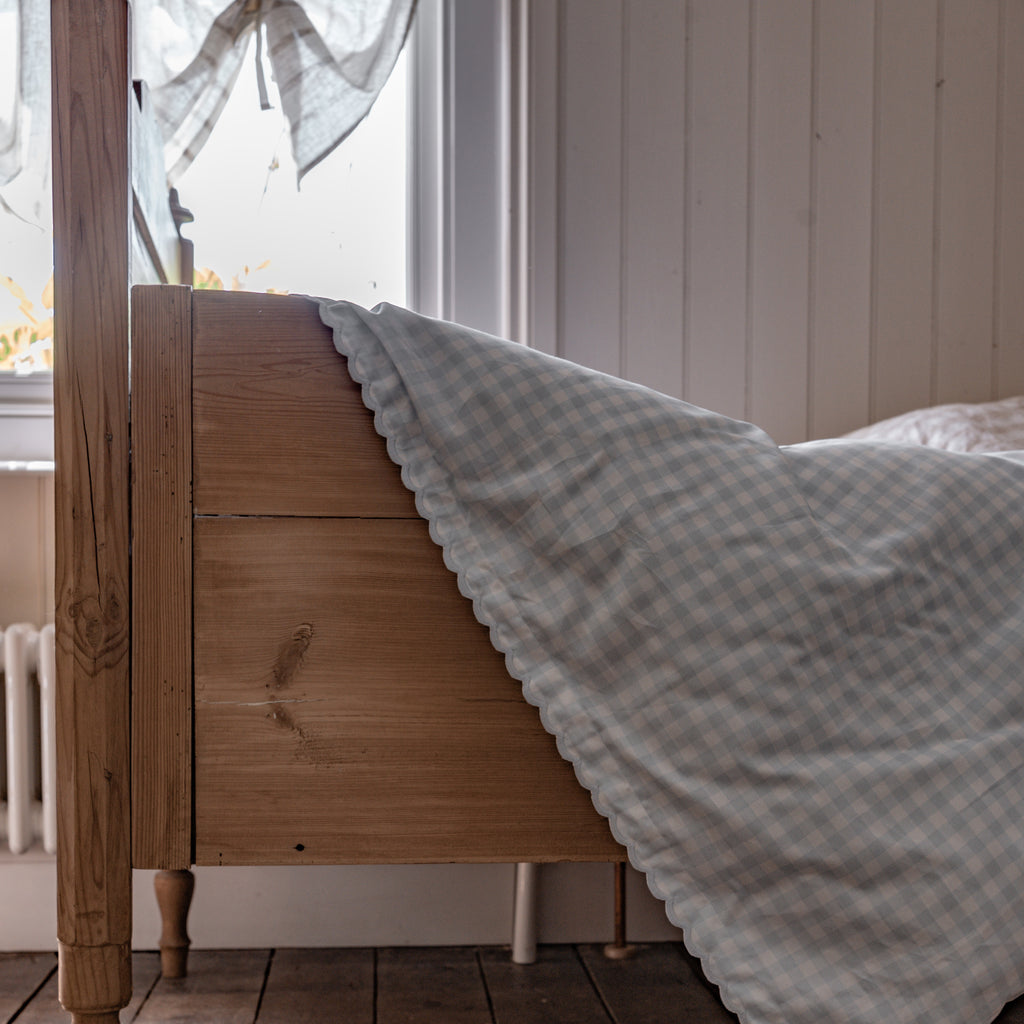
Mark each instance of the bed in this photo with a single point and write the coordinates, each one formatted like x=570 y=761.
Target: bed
x=366 y=547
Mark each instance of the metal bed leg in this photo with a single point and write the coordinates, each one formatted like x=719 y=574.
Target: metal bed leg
x=524 y=914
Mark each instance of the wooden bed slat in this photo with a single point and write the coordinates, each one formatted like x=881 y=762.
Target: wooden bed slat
x=259 y=389
x=350 y=708
x=161 y=577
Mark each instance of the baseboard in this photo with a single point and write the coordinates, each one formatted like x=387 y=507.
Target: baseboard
x=445 y=904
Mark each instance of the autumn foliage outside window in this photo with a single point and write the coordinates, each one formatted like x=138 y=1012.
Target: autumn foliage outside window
x=26 y=342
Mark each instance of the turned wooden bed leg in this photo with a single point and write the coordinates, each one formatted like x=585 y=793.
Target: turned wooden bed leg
x=174 y=896
x=94 y=982
x=619 y=949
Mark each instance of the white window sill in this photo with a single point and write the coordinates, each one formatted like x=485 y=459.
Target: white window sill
x=26 y=423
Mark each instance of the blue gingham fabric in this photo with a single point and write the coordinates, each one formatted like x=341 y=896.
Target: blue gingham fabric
x=790 y=678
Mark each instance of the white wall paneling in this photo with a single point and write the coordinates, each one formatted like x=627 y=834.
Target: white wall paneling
x=653 y=208
x=807 y=213
x=717 y=205
x=966 y=179
x=781 y=215
x=540 y=237
x=841 y=190
x=906 y=62
x=1009 y=367
x=591 y=177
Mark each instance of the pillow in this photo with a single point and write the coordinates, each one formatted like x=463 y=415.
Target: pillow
x=960 y=427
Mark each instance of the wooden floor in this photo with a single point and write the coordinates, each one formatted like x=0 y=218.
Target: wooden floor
x=460 y=985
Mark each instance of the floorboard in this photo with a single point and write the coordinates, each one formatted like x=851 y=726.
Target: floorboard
x=638 y=990
x=44 y=1007
x=313 y=986
x=430 y=986
x=223 y=986
x=555 y=988
x=21 y=975
x=661 y=984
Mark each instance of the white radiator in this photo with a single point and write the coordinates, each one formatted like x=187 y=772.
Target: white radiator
x=28 y=812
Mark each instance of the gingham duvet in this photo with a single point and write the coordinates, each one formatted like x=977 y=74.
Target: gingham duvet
x=791 y=678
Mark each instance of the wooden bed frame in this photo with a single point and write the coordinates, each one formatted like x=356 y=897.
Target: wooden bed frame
x=261 y=656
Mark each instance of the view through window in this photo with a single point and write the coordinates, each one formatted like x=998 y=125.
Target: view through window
x=341 y=234
x=26 y=249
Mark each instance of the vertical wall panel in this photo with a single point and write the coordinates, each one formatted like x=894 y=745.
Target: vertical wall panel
x=591 y=200
x=781 y=217
x=841 y=270
x=717 y=209
x=966 y=174
x=846 y=176
x=906 y=40
x=652 y=251
x=542 y=189
x=1010 y=208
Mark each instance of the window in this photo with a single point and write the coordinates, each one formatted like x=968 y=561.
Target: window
x=342 y=235
x=415 y=207
x=26 y=383
x=25 y=247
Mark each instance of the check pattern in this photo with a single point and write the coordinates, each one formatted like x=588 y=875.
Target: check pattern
x=328 y=60
x=790 y=677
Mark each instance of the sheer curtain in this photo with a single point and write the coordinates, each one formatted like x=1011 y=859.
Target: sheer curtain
x=328 y=60
x=25 y=103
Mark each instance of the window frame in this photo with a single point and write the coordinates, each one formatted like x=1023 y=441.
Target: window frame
x=467 y=229
x=469 y=179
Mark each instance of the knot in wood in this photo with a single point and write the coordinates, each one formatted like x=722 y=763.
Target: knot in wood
x=291 y=655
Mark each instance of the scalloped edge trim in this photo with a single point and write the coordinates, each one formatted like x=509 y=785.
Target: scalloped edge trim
x=385 y=395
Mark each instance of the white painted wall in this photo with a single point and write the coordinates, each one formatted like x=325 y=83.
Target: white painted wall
x=809 y=213
x=26 y=548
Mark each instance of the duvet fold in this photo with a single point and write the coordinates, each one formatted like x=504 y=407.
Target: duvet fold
x=789 y=677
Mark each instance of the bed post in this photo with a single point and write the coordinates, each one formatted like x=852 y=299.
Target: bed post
x=90 y=224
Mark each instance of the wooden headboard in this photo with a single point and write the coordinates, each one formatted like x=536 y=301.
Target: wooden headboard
x=168 y=488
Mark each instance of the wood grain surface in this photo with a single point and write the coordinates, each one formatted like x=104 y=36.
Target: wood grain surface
x=43 y=1007
x=310 y=986
x=21 y=977
x=91 y=218
x=555 y=988
x=161 y=578
x=439 y=985
x=414 y=985
x=280 y=428
x=223 y=986
x=350 y=708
